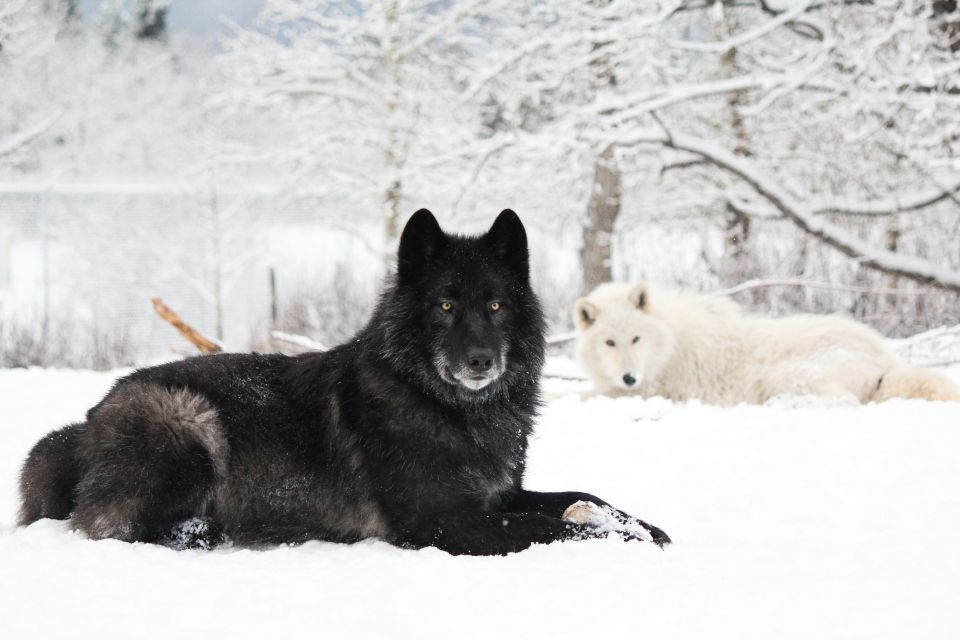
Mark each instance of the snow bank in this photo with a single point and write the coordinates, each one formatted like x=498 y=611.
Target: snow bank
x=812 y=522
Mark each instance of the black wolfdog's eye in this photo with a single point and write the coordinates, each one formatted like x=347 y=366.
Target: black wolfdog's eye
x=610 y=343
x=636 y=339
x=446 y=306
x=494 y=307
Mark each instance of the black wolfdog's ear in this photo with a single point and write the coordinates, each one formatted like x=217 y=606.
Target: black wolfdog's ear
x=420 y=241
x=508 y=237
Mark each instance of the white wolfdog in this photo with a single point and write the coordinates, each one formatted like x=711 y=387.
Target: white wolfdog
x=682 y=345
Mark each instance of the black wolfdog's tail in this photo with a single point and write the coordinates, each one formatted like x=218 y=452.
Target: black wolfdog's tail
x=50 y=475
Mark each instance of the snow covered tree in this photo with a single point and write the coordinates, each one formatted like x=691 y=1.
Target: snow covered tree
x=848 y=106
x=362 y=96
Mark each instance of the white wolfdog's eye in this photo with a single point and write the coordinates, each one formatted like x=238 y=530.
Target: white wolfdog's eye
x=610 y=343
x=636 y=339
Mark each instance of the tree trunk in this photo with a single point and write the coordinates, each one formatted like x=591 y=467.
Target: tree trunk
x=948 y=19
x=737 y=264
x=152 y=19
x=890 y=304
x=393 y=152
x=602 y=212
x=216 y=255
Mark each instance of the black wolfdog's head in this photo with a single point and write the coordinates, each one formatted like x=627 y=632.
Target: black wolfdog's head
x=461 y=319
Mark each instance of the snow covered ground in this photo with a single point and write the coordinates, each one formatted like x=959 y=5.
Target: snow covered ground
x=805 y=521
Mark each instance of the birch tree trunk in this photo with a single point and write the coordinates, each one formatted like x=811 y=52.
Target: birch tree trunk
x=602 y=212
x=603 y=208
x=393 y=152
x=736 y=265
x=216 y=255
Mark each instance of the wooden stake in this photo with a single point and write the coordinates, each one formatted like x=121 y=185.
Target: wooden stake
x=192 y=335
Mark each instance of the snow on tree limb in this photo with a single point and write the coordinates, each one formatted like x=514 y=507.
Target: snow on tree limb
x=762 y=283
x=912 y=267
x=934 y=348
x=27 y=135
x=441 y=27
x=747 y=36
x=878 y=207
x=631 y=107
x=889 y=205
x=508 y=61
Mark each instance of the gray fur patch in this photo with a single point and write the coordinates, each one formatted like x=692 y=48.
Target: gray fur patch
x=141 y=435
x=112 y=521
x=184 y=413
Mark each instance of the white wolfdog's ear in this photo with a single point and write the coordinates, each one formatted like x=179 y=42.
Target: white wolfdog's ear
x=638 y=296
x=584 y=313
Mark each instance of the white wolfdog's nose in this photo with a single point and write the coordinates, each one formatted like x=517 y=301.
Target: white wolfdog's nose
x=629 y=380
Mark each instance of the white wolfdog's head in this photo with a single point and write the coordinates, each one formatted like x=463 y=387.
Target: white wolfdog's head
x=621 y=344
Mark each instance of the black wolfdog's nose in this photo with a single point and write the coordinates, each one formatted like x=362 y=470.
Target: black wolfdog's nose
x=479 y=361
x=628 y=379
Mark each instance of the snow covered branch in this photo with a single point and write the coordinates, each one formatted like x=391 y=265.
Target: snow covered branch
x=29 y=134
x=748 y=36
x=763 y=283
x=444 y=26
x=914 y=268
x=935 y=348
x=889 y=205
x=628 y=107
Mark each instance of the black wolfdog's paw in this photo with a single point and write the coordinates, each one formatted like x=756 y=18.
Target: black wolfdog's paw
x=608 y=520
x=658 y=536
x=195 y=533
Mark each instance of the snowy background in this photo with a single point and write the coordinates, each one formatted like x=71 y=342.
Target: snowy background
x=252 y=162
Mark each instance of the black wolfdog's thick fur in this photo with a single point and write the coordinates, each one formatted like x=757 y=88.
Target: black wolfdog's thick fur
x=415 y=431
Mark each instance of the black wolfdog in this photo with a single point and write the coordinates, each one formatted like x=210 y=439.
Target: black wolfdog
x=414 y=432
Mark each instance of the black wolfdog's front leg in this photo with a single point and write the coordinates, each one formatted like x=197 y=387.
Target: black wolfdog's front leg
x=555 y=504
x=488 y=534
x=529 y=517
